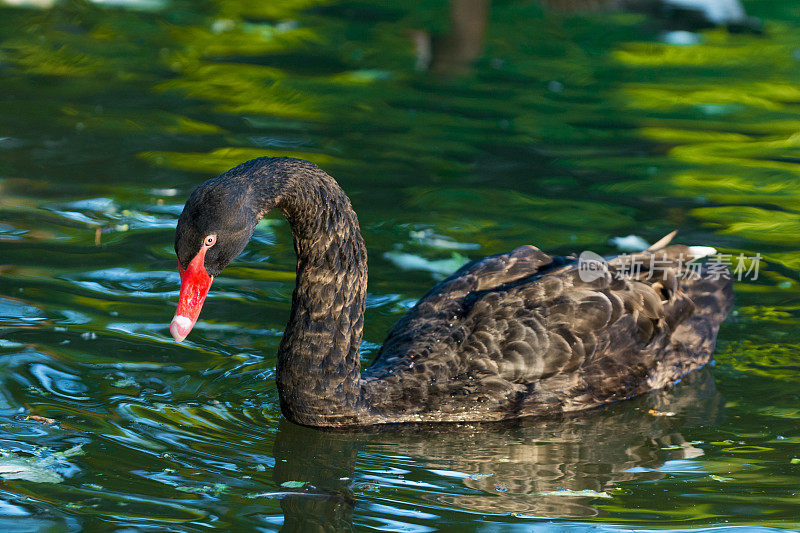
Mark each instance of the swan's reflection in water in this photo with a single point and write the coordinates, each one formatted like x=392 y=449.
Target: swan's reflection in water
x=326 y=460
x=547 y=468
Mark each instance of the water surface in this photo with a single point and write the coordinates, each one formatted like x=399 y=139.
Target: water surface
x=559 y=124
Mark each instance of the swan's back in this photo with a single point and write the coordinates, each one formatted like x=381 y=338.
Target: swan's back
x=523 y=334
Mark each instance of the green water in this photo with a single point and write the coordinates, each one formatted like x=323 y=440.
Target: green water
x=570 y=127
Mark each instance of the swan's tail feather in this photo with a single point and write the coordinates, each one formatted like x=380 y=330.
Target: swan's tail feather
x=697 y=252
x=662 y=242
x=701 y=251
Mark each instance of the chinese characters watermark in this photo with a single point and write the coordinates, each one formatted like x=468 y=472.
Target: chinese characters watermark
x=592 y=266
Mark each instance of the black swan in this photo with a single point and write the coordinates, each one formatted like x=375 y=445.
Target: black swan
x=506 y=336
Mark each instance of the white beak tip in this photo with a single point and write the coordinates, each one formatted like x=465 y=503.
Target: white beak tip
x=180 y=327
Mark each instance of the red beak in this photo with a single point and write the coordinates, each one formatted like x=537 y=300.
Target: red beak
x=195 y=283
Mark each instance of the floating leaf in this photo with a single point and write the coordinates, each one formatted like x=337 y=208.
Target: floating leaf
x=36 y=469
x=38 y=418
x=293 y=484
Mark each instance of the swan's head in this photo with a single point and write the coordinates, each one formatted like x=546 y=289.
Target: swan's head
x=213 y=229
x=219 y=218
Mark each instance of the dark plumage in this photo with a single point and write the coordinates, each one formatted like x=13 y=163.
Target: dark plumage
x=506 y=336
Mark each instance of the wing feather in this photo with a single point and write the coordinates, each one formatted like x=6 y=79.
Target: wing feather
x=522 y=333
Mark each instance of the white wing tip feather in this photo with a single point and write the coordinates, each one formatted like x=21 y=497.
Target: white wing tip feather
x=701 y=251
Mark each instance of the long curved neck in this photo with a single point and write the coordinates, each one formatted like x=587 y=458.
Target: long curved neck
x=318 y=370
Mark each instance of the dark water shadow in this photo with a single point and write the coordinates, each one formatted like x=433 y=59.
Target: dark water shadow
x=556 y=468
x=453 y=52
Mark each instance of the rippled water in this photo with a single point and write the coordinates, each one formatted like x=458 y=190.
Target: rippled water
x=575 y=123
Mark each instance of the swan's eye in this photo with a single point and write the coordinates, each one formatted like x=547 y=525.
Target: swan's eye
x=210 y=240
